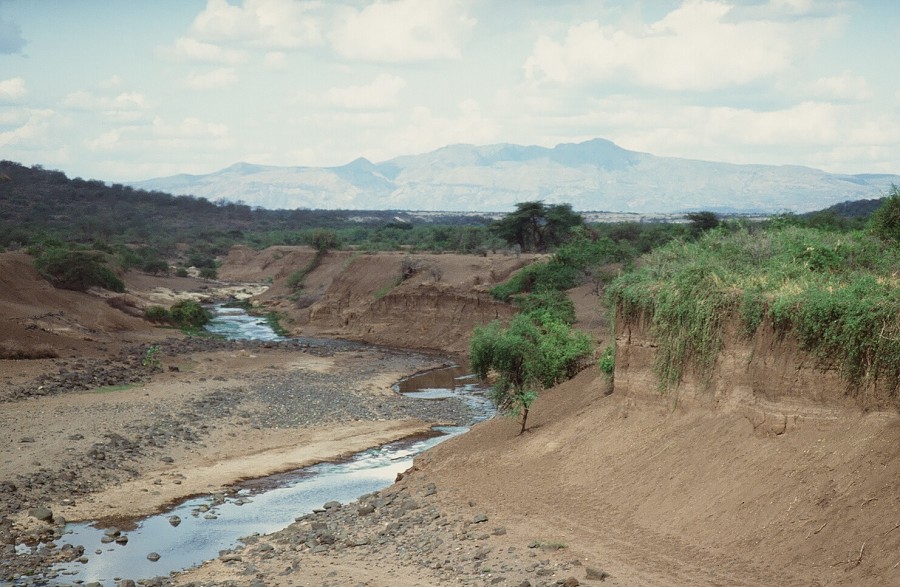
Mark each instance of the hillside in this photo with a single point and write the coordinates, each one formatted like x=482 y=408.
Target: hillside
x=593 y=175
x=37 y=203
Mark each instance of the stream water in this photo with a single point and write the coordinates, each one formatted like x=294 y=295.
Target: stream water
x=209 y=524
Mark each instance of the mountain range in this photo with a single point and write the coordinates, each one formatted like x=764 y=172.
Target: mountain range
x=593 y=175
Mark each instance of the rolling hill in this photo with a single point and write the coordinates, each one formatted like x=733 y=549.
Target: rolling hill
x=593 y=175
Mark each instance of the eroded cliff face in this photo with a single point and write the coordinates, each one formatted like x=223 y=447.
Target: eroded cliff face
x=424 y=301
x=767 y=378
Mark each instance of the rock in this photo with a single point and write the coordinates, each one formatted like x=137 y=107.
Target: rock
x=44 y=514
x=126 y=583
x=122 y=540
x=365 y=509
x=153 y=557
x=595 y=574
x=479 y=519
x=571 y=582
x=174 y=521
x=230 y=557
x=27 y=439
x=332 y=505
x=167 y=459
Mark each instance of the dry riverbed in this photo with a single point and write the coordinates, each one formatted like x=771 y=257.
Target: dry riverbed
x=212 y=413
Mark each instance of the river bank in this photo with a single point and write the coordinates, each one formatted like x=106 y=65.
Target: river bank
x=211 y=413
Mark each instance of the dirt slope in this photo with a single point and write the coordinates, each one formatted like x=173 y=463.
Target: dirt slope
x=744 y=484
x=38 y=319
x=361 y=296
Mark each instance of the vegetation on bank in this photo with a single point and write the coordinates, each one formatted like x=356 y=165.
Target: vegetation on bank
x=835 y=290
x=188 y=315
x=536 y=351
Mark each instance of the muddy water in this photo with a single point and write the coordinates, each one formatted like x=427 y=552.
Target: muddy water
x=209 y=524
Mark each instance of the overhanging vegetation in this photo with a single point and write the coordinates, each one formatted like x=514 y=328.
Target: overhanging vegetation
x=836 y=292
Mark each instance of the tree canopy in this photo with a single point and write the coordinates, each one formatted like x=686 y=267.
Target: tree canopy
x=534 y=226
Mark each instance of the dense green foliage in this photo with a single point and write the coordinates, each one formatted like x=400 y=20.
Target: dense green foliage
x=77 y=269
x=535 y=352
x=837 y=292
x=885 y=222
x=580 y=260
x=188 y=315
x=536 y=227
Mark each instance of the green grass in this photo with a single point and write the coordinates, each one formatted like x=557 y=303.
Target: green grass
x=837 y=293
x=113 y=388
x=273 y=319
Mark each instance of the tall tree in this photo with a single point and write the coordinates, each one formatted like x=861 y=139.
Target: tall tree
x=533 y=226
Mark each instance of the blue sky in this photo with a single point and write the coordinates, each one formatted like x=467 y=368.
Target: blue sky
x=124 y=91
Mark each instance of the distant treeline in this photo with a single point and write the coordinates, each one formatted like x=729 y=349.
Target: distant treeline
x=36 y=203
x=40 y=206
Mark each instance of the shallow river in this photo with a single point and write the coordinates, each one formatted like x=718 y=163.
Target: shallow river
x=210 y=524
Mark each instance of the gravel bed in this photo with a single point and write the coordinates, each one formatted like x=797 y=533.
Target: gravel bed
x=297 y=398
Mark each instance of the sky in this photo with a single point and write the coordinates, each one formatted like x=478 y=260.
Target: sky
x=125 y=91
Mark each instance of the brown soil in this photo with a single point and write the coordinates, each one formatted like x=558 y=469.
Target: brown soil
x=771 y=473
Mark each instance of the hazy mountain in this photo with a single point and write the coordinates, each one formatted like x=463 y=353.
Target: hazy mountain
x=594 y=175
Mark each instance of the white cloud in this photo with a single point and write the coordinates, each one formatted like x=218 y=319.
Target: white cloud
x=188 y=134
x=86 y=101
x=259 y=23
x=275 y=60
x=30 y=129
x=111 y=83
x=12 y=89
x=701 y=45
x=427 y=131
x=216 y=79
x=403 y=30
x=125 y=106
x=189 y=49
x=844 y=87
x=381 y=93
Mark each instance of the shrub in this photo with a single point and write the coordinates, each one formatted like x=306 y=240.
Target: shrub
x=189 y=314
x=607 y=360
x=158 y=314
x=885 y=222
x=77 y=269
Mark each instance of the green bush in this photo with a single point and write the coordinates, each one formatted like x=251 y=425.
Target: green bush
x=208 y=273
x=77 y=269
x=607 y=360
x=158 y=314
x=189 y=314
x=555 y=302
x=885 y=222
x=535 y=352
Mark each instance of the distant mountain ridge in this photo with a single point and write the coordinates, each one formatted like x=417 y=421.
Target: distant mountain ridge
x=593 y=175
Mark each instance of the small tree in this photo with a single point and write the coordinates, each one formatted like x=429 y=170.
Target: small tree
x=703 y=221
x=537 y=351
